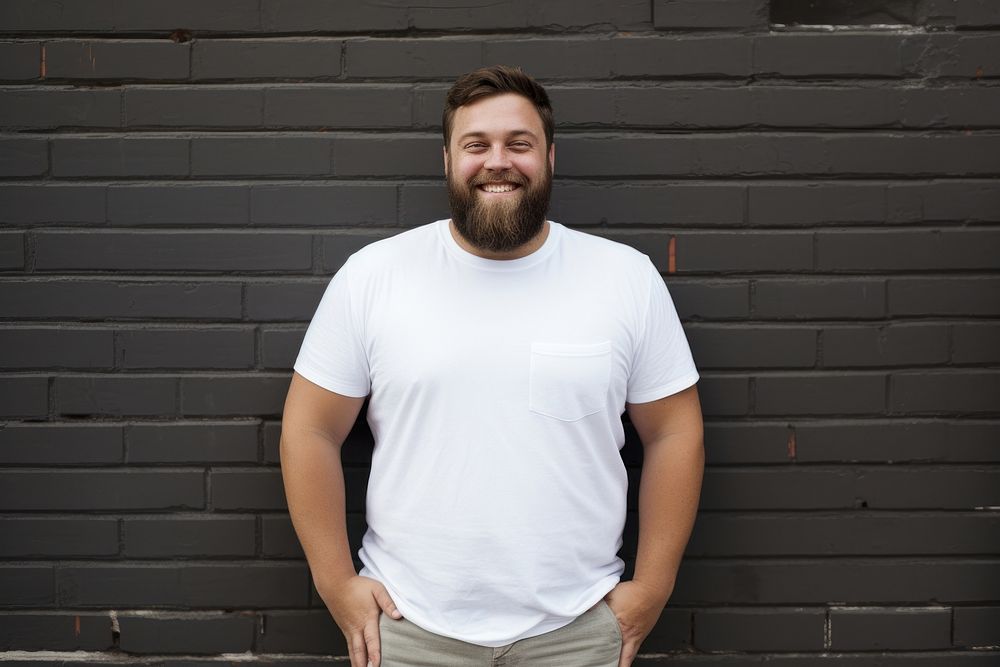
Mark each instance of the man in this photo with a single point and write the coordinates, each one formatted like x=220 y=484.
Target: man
x=499 y=351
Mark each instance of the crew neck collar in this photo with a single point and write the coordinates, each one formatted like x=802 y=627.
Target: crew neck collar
x=463 y=255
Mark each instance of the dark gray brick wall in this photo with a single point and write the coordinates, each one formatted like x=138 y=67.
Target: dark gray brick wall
x=179 y=180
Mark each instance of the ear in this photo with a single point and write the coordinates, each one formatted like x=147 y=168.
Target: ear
x=444 y=154
x=552 y=157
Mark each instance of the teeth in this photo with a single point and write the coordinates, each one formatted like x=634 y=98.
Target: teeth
x=492 y=187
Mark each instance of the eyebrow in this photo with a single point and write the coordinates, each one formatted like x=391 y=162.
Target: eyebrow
x=515 y=133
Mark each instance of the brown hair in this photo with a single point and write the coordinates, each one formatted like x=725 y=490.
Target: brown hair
x=496 y=80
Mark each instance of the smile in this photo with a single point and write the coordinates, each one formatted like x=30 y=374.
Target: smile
x=498 y=187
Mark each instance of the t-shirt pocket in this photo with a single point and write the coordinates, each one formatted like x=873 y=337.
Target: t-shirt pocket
x=568 y=381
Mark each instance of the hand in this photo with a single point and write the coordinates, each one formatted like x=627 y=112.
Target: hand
x=637 y=609
x=356 y=605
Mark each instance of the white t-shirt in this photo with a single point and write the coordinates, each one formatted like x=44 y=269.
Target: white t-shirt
x=496 y=501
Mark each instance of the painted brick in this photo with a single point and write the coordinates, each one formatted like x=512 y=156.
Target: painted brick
x=716 y=56
x=11 y=251
x=959 y=392
x=337 y=247
x=278 y=538
x=56 y=108
x=891 y=345
x=745 y=442
x=204 y=106
x=223 y=15
x=116 y=396
x=712 y=14
x=106 y=59
x=249 y=395
x=283 y=301
x=801 y=299
x=777 y=489
x=820 y=393
x=317 y=15
x=174 y=537
x=323 y=204
x=79 y=490
x=222 y=633
x=720 y=346
x=420 y=203
x=952 y=55
x=398 y=155
x=411 y=58
x=977 y=626
x=273 y=58
x=54 y=538
x=253 y=489
x=793 y=629
x=239 y=586
x=711 y=300
x=917 y=440
x=815 y=204
x=26 y=585
x=944 y=296
x=271 y=435
x=338 y=106
x=973 y=13
x=553 y=58
x=186 y=348
x=923 y=249
x=818 y=107
x=24 y=396
x=975 y=343
x=836 y=54
x=260 y=156
x=52 y=15
x=101 y=299
x=724 y=252
x=670 y=203
x=312 y=632
x=179 y=204
x=55 y=443
x=895 y=628
x=62 y=204
x=280 y=347
x=453 y=16
x=203 y=442
x=672 y=632
x=950 y=107
x=23 y=157
x=19 y=61
x=126 y=156
x=559 y=14
x=966 y=201
x=23 y=631
x=38 y=347
x=920 y=487
x=673 y=106
x=723 y=395
x=926 y=154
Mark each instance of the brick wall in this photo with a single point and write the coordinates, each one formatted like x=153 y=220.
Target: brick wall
x=181 y=178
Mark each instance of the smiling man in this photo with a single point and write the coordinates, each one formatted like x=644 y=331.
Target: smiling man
x=498 y=351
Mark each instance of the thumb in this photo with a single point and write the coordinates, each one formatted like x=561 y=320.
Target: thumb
x=385 y=602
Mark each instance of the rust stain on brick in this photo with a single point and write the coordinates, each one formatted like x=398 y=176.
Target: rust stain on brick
x=979 y=72
x=43 y=62
x=791 y=444
x=76 y=626
x=672 y=255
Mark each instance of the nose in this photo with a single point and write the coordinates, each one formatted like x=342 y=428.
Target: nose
x=497 y=159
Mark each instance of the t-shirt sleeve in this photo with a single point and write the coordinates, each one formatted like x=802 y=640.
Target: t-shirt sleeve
x=333 y=352
x=662 y=364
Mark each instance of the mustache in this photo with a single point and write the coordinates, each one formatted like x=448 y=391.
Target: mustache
x=503 y=177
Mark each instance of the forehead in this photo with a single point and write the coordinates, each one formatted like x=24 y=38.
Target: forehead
x=497 y=114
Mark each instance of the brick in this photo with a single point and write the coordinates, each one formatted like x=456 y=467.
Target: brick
x=885 y=345
x=944 y=296
x=807 y=298
x=336 y=248
x=272 y=58
x=190 y=634
x=54 y=538
x=252 y=489
x=559 y=14
x=977 y=626
x=713 y=14
x=186 y=348
x=925 y=154
x=178 y=204
x=869 y=629
x=672 y=56
x=397 y=155
x=553 y=58
x=204 y=106
x=23 y=157
x=286 y=301
x=101 y=299
x=52 y=15
x=725 y=252
x=672 y=632
x=173 y=251
x=966 y=201
x=260 y=156
x=975 y=343
x=278 y=538
x=338 y=106
x=80 y=490
x=116 y=396
x=184 y=586
x=280 y=347
x=317 y=15
x=952 y=55
x=24 y=396
x=812 y=106
x=815 y=203
x=912 y=487
x=777 y=489
x=506 y=14
x=128 y=156
x=411 y=58
x=11 y=251
x=757 y=442
x=312 y=632
x=573 y=106
x=673 y=106
x=711 y=300
x=54 y=443
x=723 y=395
x=820 y=393
x=420 y=203
x=429 y=99
x=219 y=16
x=953 y=106
x=793 y=629
x=26 y=586
x=976 y=13
x=271 y=435
x=720 y=346
x=173 y=537
x=20 y=61
x=836 y=54
x=250 y=395
x=61 y=204
x=960 y=392
x=57 y=108
x=184 y=443
x=22 y=631
x=133 y=59
x=896 y=441
x=671 y=203
x=323 y=204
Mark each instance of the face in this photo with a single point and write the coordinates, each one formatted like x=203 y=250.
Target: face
x=499 y=172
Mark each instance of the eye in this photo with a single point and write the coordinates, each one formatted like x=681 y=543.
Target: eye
x=475 y=146
x=520 y=146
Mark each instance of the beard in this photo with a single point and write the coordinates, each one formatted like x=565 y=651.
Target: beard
x=500 y=224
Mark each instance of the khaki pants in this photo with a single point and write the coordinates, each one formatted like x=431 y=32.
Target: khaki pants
x=594 y=639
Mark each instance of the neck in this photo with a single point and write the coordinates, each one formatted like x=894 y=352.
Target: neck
x=524 y=250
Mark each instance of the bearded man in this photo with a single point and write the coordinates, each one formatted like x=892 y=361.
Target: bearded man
x=498 y=351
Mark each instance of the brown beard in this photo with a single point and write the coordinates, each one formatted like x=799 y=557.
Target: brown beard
x=504 y=225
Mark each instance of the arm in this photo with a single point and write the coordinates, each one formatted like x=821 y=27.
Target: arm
x=314 y=426
x=673 y=462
